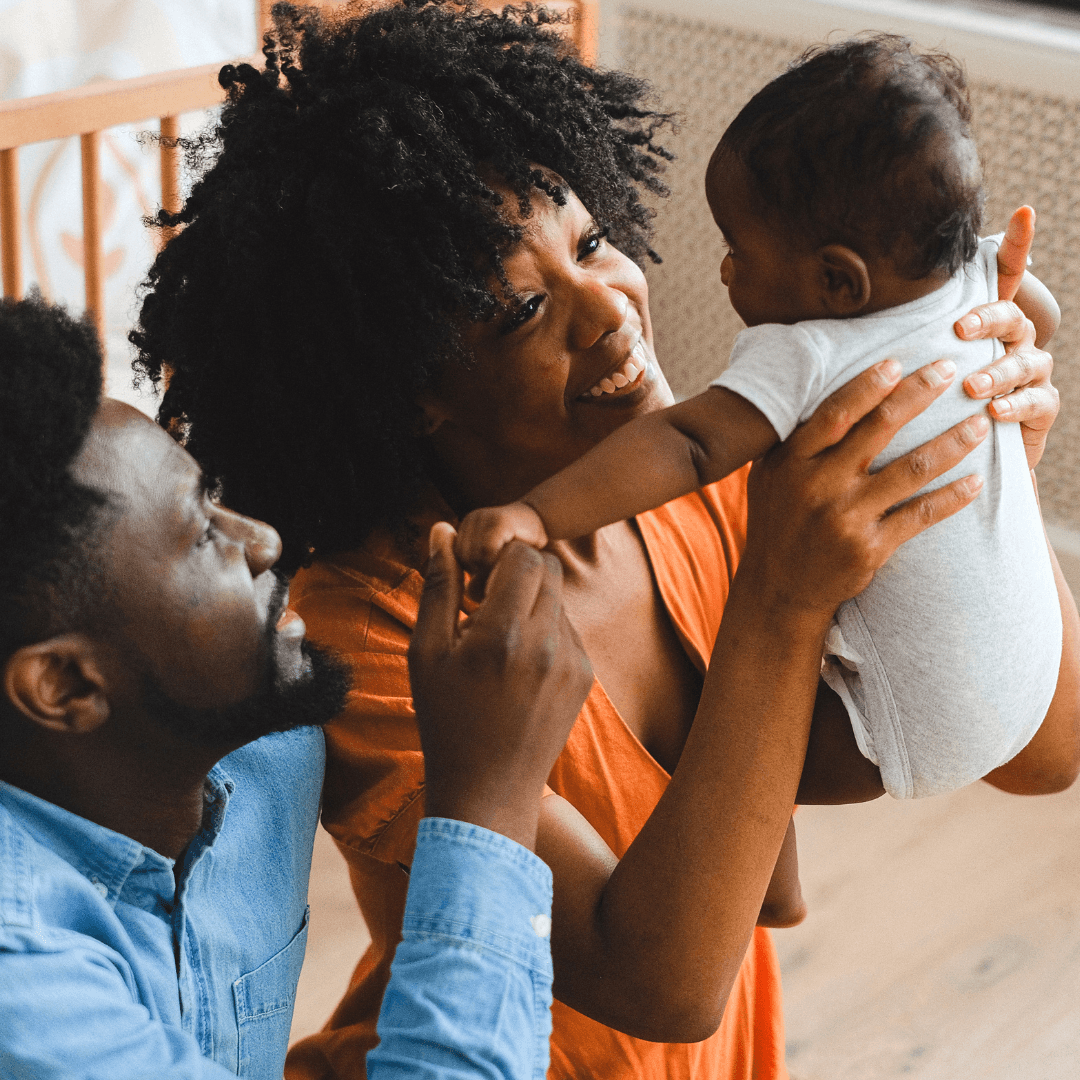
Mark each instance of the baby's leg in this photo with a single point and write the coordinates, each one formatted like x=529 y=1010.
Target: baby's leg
x=835 y=770
x=784 y=904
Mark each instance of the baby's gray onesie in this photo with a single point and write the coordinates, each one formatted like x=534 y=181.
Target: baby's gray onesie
x=948 y=661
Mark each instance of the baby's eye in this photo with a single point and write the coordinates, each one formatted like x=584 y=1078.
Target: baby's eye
x=592 y=243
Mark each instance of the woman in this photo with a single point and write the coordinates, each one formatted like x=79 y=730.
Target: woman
x=397 y=285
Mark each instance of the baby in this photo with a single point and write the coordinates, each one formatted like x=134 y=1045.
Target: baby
x=849 y=195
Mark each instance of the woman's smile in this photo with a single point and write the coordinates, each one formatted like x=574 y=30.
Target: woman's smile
x=630 y=375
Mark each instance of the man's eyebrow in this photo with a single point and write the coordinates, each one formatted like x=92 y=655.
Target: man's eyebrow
x=208 y=487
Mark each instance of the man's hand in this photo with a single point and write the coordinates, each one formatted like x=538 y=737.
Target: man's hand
x=497 y=694
x=485 y=533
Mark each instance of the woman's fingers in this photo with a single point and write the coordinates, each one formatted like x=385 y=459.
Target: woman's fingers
x=918 y=514
x=1033 y=406
x=902 y=478
x=1020 y=367
x=1001 y=319
x=911 y=396
x=841 y=411
x=1013 y=254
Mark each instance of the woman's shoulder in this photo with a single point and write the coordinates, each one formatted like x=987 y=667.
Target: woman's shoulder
x=362 y=604
x=358 y=602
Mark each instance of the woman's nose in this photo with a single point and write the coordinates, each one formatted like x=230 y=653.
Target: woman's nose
x=602 y=309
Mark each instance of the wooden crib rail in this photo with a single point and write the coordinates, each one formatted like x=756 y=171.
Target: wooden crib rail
x=89 y=110
x=86 y=112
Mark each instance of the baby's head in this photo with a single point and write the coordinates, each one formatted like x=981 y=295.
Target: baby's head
x=849 y=184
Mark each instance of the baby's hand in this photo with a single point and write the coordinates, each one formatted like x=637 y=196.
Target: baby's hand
x=485 y=532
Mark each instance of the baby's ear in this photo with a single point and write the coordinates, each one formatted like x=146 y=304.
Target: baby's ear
x=844 y=280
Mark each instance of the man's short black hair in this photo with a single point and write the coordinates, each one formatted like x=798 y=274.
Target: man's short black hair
x=867 y=143
x=50 y=388
x=348 y=226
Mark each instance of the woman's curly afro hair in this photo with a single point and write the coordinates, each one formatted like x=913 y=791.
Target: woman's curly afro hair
x=347 y=225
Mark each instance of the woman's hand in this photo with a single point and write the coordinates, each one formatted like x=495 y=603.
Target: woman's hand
x=820 y=523
x=1019 y=383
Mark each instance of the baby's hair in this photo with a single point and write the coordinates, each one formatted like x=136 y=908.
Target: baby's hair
x=867 y=143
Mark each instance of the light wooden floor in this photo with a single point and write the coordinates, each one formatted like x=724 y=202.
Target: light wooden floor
x=943 y=940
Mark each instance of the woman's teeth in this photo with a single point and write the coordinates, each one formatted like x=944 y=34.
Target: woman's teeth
x=635 y=364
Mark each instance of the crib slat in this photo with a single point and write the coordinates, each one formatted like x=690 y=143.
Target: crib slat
x=91 y=191
x=10 y=224
x=170 y=171
x=587 y=30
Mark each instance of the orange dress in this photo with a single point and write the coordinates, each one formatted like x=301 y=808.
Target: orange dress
x=364 y=605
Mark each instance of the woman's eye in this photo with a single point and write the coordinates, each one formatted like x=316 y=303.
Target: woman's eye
x=592 y=243
x=524 y=313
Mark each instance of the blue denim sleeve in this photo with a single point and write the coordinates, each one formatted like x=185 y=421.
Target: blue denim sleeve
x=470 y=987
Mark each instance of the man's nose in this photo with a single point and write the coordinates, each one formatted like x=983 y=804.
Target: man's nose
x=602 y=309
x=261 y=543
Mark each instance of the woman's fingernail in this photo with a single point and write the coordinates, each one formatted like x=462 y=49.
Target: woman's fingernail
x=888 y=371
x=981 y=383
x=940 y=372
x=969 y=323
x=1002 y=407
x=978 y=426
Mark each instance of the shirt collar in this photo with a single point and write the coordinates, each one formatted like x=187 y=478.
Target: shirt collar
x=108 y=859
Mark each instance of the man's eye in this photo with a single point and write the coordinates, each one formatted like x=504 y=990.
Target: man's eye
x=524 y=313
x=208 y=535
x=592 y=243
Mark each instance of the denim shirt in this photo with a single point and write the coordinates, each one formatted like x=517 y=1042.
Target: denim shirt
x=470 y=988
x=117 y=963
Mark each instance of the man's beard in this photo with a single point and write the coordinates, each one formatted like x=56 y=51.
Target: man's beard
x=311 y=700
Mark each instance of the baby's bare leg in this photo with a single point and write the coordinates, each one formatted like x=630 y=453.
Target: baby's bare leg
x=784 y=904
x=835 y=771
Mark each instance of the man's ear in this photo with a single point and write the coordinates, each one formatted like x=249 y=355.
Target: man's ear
x=58 y=684
x=845 y=280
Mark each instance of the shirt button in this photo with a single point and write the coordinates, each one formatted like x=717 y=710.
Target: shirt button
x=101 y=887
x=541 y=925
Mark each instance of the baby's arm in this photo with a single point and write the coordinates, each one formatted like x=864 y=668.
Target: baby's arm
x=1036 y=301
x=642 y=465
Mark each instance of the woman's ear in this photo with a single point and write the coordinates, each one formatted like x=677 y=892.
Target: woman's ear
x=845 y=280
x=433 y=415
x=58 y=684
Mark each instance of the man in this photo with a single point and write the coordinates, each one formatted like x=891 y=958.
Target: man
x=162 y=763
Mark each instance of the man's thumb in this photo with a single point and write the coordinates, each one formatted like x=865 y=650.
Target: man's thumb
x=443 y=587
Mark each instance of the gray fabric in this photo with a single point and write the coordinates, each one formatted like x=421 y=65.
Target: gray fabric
x=948 y=661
